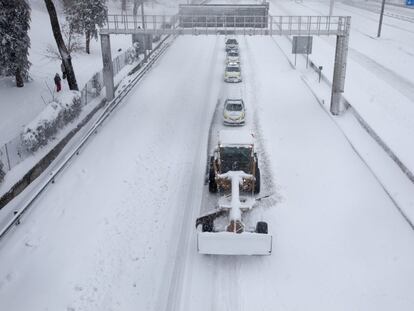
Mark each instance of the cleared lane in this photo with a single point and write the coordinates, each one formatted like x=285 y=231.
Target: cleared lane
x=105 y=235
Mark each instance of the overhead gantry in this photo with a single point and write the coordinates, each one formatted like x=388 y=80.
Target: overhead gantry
x=232 y=20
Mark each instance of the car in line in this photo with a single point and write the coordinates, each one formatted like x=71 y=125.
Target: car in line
x=232 y=73
x=234 y=112
x=233 y=56
x=231 y=44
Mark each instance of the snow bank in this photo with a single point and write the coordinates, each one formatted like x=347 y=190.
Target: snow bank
x=65 y=107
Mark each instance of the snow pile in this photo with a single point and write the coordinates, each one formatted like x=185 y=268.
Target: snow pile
x=61 y=111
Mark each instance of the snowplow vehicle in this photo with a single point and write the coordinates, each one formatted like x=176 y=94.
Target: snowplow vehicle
x=233 y=237
x=233 y=174
x=235 y=152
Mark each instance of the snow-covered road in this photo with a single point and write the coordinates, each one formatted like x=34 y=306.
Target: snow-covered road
x=116 y=230
x=104 y=237
x=340 y=242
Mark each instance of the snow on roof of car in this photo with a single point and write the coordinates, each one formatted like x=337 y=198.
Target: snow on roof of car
x=235 y=137
x=232 y=64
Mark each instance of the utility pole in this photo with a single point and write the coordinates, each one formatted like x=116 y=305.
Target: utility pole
x=381 y=17
x=331 y=5
x=143 y=27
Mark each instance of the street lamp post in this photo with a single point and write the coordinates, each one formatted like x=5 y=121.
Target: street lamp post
x=381 y=17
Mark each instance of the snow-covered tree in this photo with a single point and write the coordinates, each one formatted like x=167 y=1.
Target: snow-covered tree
x=14 y=39
x=85 y=16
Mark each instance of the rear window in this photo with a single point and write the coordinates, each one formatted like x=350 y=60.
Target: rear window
x=231 y=41
x=234 y=107
x=233 y=54
x=233 y=69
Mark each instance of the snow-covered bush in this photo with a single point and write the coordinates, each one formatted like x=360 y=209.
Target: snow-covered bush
x=96 y=84
x=64 y=109
x=132 y=53
x=2 y=172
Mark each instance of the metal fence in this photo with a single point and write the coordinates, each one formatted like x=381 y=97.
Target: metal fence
x=13 y=152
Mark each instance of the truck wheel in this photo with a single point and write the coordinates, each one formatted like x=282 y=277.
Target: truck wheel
x=261 y=227
x=212 y=184
x=257 y=181
x=208 y=226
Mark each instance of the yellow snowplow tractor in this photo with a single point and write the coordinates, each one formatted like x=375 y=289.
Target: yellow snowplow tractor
x=235 y=152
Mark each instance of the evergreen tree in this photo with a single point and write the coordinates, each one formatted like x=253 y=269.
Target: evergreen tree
x=14 y=40
x=85 y=16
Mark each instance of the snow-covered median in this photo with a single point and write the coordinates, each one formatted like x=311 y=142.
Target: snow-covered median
x=65 y=107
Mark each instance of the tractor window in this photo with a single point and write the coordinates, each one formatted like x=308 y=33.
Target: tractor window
x=235 y=159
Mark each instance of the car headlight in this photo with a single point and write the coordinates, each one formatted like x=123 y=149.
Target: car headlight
x=226 y=115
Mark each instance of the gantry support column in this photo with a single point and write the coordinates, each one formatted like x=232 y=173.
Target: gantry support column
x=338 y=82
x=108 y=70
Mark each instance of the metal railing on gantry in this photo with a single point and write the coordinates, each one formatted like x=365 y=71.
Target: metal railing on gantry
x=221 y=24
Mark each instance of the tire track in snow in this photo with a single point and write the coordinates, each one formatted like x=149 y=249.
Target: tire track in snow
x=183 y=247
x=227 y=294
x=264 y=162
x=221 y=276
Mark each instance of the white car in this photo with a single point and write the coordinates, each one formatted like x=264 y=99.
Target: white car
x=231 y=44
x=234 y=112
x=233 y=56
x=232 y=73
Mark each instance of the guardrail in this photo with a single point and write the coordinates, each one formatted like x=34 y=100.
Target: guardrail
x=153 y=57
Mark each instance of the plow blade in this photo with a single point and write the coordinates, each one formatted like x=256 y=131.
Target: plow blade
x=228 y=243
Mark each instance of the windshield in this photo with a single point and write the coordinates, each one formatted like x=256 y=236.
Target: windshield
x=233 y=69
x=231 y=41
x=235 y=159
x=234 y=107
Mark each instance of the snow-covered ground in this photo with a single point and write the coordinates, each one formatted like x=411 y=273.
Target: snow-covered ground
x=19 y=106
x=116 y=231
x=379 y=81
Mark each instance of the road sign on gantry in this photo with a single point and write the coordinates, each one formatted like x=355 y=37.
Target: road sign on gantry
x=302 y=45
